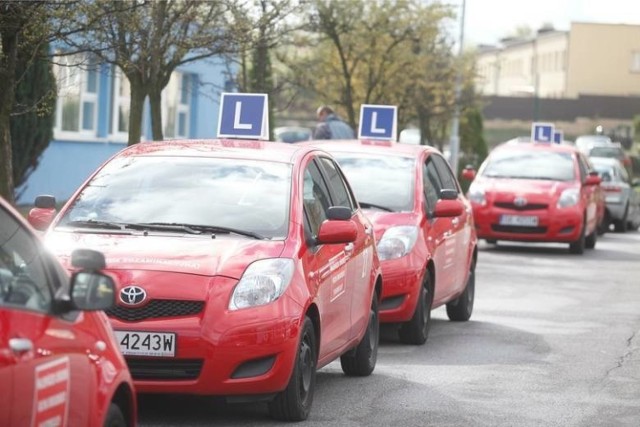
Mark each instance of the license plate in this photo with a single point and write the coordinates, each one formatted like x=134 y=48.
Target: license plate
x=157 y=344
x=519 y=220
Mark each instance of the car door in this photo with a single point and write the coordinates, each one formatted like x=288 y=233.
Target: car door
x=438 y=233
x=325 y=265
x=359 y=254
x=47 y=358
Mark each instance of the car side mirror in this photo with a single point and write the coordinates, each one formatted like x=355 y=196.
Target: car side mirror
x=448 y=208
x=448 y=194
x=42 y=214
x=337 y=231
x=593 y=179
x=92 y=291
x=469 y=173
x=87 y=259
x=339 y=213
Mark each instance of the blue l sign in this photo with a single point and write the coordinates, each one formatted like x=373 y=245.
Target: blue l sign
x=558 y=136
x=243 y=115
x=378 y=122
x=541 y=132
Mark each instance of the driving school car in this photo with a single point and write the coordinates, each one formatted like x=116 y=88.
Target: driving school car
x=59 y=361
x=244 y=265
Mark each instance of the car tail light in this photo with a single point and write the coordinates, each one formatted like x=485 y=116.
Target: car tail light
x=626 y=161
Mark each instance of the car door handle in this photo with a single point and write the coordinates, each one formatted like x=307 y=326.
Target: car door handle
x=20 y=345
x=348 y=248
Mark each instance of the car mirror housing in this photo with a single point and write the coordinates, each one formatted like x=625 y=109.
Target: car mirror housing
x=92 y=291
x=87 y=259
x=448 y=194
x=593 y=180
x=448 y=208
x=469 y=173
x=340 y=213
x=337 y=231
x=41 y=218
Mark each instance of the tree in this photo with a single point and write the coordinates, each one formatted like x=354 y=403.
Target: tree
x=472 y=143
x=149 y=40
x=33 y=112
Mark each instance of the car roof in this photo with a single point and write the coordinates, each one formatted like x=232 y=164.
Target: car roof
x=607 y=161
x=221 y=148
x=369 y=146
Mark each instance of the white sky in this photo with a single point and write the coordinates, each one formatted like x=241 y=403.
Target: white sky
x=487 y=21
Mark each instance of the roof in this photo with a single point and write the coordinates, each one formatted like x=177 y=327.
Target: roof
x=227 y=148
x=369 y=146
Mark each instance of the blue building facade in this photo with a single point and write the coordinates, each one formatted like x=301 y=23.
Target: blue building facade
x=92 y=119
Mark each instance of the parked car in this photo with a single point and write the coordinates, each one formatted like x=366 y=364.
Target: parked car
x=291 y=134
x=623 y=203
x=585 y=143
x=423 y=226
x=612 y=151
x=537 y=192
x=59 y=361
x=245 y=266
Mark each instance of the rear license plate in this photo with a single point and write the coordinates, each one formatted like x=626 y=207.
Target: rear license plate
x=519 y=220
x=156 y=344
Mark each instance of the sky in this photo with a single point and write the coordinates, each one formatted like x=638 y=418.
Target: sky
x=487 y=21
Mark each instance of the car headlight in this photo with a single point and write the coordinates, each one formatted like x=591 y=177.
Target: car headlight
x=477 y=195
x=397 y=241
x=569 y=197
x=264 y=281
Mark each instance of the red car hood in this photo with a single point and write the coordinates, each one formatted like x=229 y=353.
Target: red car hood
x=382 y=220
x=524 y=187
x=224 y=255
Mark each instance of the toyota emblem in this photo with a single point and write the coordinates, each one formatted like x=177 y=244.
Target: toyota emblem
x=520 y=201
x=132 y=295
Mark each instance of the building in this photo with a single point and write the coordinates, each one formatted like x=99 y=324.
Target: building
x=589 y=59
x=92 y=114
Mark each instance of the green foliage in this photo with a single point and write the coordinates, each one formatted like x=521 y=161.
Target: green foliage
x=636 y=128
x=33 y=112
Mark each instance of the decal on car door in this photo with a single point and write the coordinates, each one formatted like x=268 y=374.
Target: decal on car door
x=51 y=400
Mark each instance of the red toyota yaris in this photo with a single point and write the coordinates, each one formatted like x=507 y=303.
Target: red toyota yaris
x=423 y=226
x=59 y=361
x=244 y=265
x=537 y=192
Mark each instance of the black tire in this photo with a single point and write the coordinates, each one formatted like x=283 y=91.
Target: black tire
x=620 y=226
x=115 y=417
x=461 y=308
x=577 y=247
x=294 y=402
x=416 y=330
x=361 y=361
x=591 y=239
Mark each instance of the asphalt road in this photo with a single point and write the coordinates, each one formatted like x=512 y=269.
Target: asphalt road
x=554 y=341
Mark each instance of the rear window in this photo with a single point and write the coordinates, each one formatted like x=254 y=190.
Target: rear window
x=530 y=164
x=610 y=152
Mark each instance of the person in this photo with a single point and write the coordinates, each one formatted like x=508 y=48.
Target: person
x=330 y=126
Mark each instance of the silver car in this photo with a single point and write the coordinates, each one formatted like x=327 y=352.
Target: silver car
x=622 y=198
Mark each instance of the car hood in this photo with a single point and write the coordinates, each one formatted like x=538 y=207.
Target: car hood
x=224 y=255
x=523 y=187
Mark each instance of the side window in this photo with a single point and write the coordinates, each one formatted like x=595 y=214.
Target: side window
x=340 y=189
x=23 y=273
x=446 y=176
x=431 y=183
x=316 y=198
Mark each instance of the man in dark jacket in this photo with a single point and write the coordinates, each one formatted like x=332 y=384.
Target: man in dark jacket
x=331 y=126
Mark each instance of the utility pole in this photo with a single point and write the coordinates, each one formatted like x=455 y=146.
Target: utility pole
x=454 y=144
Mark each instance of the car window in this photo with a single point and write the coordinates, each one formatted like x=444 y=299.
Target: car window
x=444 y=171
x=24 y=281
x=316 y=198
x=584 y=168
x=342 y=193
x=432 y=184
x=242 y=194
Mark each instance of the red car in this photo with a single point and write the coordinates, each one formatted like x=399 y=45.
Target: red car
x=423 y=226
x=244 y=265
x=537 y=192
x=59 y=360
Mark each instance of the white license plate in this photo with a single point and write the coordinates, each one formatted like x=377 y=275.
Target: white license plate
x=519 y=220
x=157 y=344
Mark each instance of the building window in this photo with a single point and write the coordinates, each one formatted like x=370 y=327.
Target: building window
x=177 y=96
x=635 y=61
x=121 y=105
x=77 y=77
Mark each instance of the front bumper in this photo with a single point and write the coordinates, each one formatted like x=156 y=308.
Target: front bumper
x=402 y=280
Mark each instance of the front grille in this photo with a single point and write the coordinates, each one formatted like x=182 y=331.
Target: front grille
x=527 y=207
x=518 y=229
x=164 y=369
x=156 y=308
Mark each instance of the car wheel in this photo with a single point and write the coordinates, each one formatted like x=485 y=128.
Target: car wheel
x=620 y=226
x=461 y=308
x=416 y=330
x=294 y=403
x=577 y=247
x=115 y=417
x=361 y=361
x=591 y=239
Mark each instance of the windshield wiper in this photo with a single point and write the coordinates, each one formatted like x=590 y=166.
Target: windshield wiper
x=374 y=206
x=197 y=229
x=92 y=223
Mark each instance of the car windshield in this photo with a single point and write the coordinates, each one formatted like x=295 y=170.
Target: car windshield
x=241 y=195
x=381 y=182
x=530 y=164
x=610 y=152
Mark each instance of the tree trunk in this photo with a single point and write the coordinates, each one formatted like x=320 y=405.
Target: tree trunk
x=138 y=96
x=155 y=102
x=8 y=60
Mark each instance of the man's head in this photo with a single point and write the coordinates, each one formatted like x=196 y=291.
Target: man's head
x=323 y=111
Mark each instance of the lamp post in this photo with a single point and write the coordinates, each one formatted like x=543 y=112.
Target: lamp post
x=454 y=144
